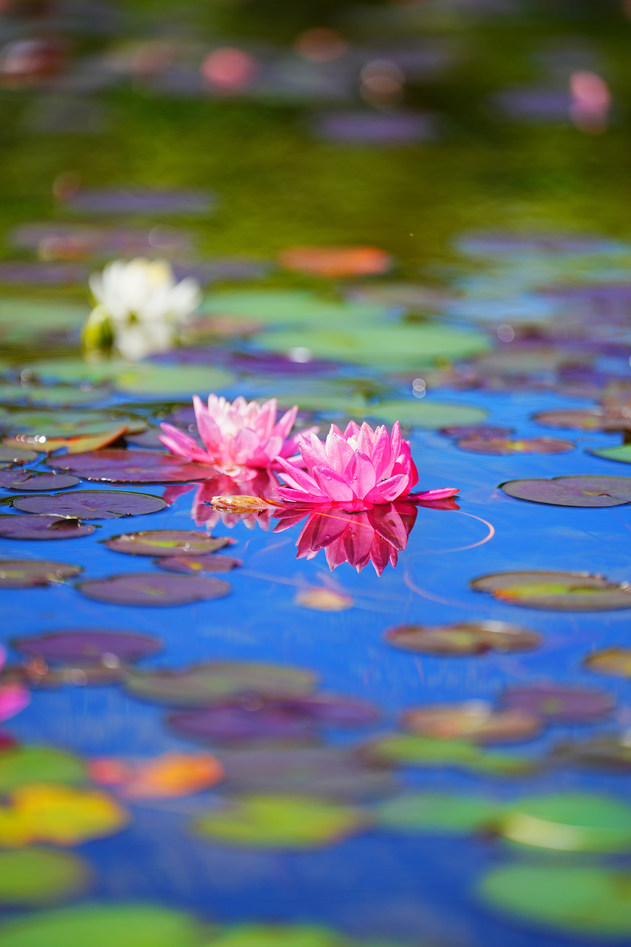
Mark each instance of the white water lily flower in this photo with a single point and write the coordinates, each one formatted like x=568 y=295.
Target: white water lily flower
x=140 y=307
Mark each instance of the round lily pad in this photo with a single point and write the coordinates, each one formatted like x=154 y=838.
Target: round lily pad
x=586 y=419
x=92 y=504
x=622 y=454
x=437 y=813
x=569 y=822
x=38 y=875
x=583 y=899
x=50 y=395
x=560 y=703
x=126 y=925
x=469 y=431
x=404 y=749
x=27 y=764
x=474 y=721
x=294 y=822
x=425 y=414
x=556 y=591
x=58 y=814
x=149 y=588
x=198 y=565
x=27 y=573
x=44 y=526
x=40 y=423
x=613 y=661
x=131 y=466
x=34 y=480
x=586 y=490
x=15 y=455
x=606 y=753
x=89 y=646
x=208 y=683
x=279 y=935
x=148 y=378
x=505 y=446
x=163 y=542
x=464 y=638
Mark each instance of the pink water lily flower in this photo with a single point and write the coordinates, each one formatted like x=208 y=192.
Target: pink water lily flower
x=355 y=470
x=239 y=438
x=13 y=697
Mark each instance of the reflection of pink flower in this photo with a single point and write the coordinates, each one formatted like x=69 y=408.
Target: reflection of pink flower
x=354 y=470
x=264 y=484
x=238 y=437
x=13 y=697
x=376 y=535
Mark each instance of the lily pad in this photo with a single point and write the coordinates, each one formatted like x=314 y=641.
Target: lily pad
x=468 y=431
x=38 y=876
x=283 y=821
x=89 y=646
x=148 y=378
x=426 y=414
x=34 y=480
x=126 y=925
x=149 y=588
x=62 y=815
x=610 y=754
x=16 y=456
x=22 y=765
x=198 y=565
x=438 y=813
x=559 y=703
x=72 y=445
x=323 y=599
x=587 y=490
x=291 y=306
x=404 y=749
x=583 y=899
x=464 y=638
x=44 y=526
x=621 y=454
x=164 y=542
x=279 y=935
x=27 y=573
x=214 y=682
x=504 y=446
x=132 y=466
x=556 y=591
x=569 y=822
x=54 y=396
x=474 y=720
x=92 y=504
x=33 y=422
x=613 y=661
x=586 y=419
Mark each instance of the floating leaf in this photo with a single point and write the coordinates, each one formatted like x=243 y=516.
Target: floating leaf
x=437 y=813
x=333 y=262
x=279 y=935
x=27 y=573
x=38 y=764
x=63 y=815
x=148 y=378
x=149 y=588
x=39 y=423
x=559 y=703
x=198 y=565
x=464 y=638
x=92 y=504
x=240 y=504
x=291 y=306
x=50 y=395
x=586 y=419
x=14 y=454
x=582 y=899
x=72 y=445
x=556 y=591
x=621 y=454
x=413 y=750
x=34 y=480
x=294 y=822
x=607 y=753
x=426 y=414
x=474 y=721
x=208 y=683
x=468 y=431
x=503 y=446
x=88 y=646
x=163 y=542
x=169 y=776
x=40 y=876
x=324 y=600
x=132 y=466
x=569 y=822
x=44 y=526
x=586 y=490
x=613 y=661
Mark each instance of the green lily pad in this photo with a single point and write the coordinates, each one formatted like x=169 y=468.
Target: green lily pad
x=437 y=812
x=50 y=395
x=34 y=422
x=128 y=925
x=74 y=370
x=426 y=414
x=266 y=821
x=582 y=899
x=278 y=935
x=556 y=591
x=38 y=764
x=37 y=875
x=621 y=454
x=413 y=750
x=569 y=822
x=287 y=306
x=147 y=378
x=22 y=320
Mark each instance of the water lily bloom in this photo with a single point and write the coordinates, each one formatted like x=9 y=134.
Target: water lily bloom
x=207 y=514
x=354 y=470
x=239 y=438
x=13 y=697
x=140 y=308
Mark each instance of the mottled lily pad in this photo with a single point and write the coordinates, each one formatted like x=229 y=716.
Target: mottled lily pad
x=293 y=822
x=404 y=749
x=131 y=466
x=569 y=822
x=586 y=419
x=34 y=480
x=504 y=446
x=474 y=720
x=209 y=683
x=79 y=444
x=586 y=490
x=560 y=703
x=613 y=661
x=163 y=542
x=464 y=638
x=556 y=591
x=610 y=753
x=426 y=414
x=22 y=765
x=33 y=422
x=149 y=588
x=438 y=813
x=198 y=565
x=279 y=935
x=92 y=504
x=38 y=876
x=44 y=526
x=583 y=899
x=148 y=378
x=50 y=395
x=469 y=431
x=27 y=573
x=16 y=455
x=89 y=646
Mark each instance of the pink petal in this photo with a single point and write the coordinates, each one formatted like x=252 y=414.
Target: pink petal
x=360 y=474
x=13 y=699
x=382 y=456
x=284 y=426
x=176 y=490
x=388 y=490
x=335 y=554
x=338 y=452
x=389 y=525
x=298 y=479
x=177 y=441
x=358 y=539
x=333 y=484
x=442 y=493
x=351 y=430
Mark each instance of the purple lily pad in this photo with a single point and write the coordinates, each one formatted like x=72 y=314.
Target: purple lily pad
x=559 y=703
x=135 y=200
x=505 y=446
x=15 y=455
x=165 y=542
x=469 y=431
x=198 y=565
x=34 y=480
x=27 y=573
x=92 y=504
x=43 y=274
x=582 y=491
x=89 y=646
x=608 y=753
x=149 y=588
x=555 y=591
x=464 y=638
x=149 y=438
x=44 y=526
x=586 y=419
x=132 y=466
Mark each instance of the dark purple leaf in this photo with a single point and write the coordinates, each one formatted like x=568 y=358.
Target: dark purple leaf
x=464 y=638
x=43 y=527
x=26 y=573
x=34 y=480
x=15 y=455
x=92 y=504
x=150 y=588
x=198 y=565
x=559 y=703
x=469 y=431
x=149 y=438
x=504 y=446
x=132 y=466
x=88 y=646
x=584 y=491
x=165 y=542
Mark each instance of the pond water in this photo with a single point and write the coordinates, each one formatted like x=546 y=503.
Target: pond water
x=317 y=722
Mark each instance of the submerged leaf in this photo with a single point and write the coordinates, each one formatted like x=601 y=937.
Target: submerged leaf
x=38 y=764
x=504 y=446
x=413 y=750
x=613 y=661
x=168 y=776
x=198 y=565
